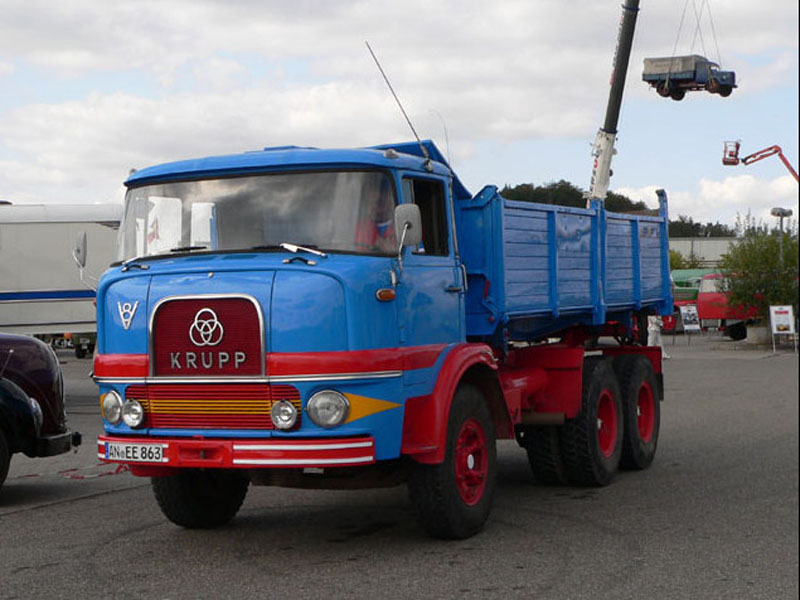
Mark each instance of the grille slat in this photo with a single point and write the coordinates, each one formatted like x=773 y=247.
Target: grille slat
x=211 y=406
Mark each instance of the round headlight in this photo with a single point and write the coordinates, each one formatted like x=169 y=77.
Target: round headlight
x=132 y=413
x=112 y=407
x=284 y=414
x=328 y=408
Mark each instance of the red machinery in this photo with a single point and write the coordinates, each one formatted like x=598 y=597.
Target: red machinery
x=730 y=156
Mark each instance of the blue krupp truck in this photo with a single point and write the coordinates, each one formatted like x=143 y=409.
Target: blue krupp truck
x=356 y=318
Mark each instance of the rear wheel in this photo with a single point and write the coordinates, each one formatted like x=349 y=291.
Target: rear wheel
x=641 y=409
x=663 y=89
x=200 y=498
x=5 y=458
x=677 y=94
x=591 y=444
x=544 y=454
x=453 y=499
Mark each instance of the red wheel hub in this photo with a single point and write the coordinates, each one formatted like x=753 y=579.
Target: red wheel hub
x=607 y=426
x=471 y=462
x=645 y=413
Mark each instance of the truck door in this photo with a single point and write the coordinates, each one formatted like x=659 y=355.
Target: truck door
x=431 y=290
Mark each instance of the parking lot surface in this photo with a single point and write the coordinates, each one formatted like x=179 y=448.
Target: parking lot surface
x=716 y=516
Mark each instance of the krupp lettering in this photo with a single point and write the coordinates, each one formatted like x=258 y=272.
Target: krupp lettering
x=207 y=360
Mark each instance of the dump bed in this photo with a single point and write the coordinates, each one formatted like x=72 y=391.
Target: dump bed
x=535 y=269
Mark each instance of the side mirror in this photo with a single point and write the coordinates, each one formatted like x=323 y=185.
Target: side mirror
x=408 y=225
x=79 y=249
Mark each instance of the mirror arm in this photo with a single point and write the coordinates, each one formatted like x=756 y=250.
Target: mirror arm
x=406 y=227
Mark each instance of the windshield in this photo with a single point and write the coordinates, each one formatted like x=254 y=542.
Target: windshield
x=346 y=211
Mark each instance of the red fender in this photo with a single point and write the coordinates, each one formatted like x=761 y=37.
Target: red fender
x=425 y=421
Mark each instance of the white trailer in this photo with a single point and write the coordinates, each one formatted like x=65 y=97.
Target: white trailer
x=41 y=291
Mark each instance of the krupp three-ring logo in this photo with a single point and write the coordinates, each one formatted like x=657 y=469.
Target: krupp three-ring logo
x=206 y=330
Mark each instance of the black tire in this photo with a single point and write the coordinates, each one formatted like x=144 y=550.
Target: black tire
x=725 y=91
x=737 y=331
x=5 y=458
x=453 y=499
x=544 y=455
x=641 y=409
x=591 y=444
x=664 y=90
x=201 y=498
x=677 y=94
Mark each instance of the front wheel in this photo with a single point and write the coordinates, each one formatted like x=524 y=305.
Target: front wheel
x=453 y=499
x=200 y=498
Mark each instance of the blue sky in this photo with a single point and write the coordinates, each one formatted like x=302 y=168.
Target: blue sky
x=92 y=89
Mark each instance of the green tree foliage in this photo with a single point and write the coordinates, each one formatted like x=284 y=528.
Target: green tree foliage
x=756 y=272
x=679 y=261
x=687 y=227
x=564 y=193
x=676 y=260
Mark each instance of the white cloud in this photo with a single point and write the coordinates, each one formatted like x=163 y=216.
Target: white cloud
x=721 y=201
x=224 y=76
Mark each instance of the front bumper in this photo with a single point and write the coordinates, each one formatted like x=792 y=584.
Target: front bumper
x=237 y=453
x=60 y=443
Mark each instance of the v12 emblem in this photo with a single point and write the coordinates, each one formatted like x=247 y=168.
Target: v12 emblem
x=126 y=311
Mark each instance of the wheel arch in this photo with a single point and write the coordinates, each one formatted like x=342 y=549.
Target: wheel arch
x=425 y=420
x=487 y=382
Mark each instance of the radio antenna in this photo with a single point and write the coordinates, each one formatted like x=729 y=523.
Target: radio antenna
x=428 y=166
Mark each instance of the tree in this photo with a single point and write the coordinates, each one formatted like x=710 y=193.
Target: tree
x=679 y=261
x=686 y=227
x=564 y=193
x=676 y=260
x=756 y=272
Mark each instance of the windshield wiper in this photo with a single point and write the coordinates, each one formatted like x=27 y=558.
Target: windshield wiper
x=295 y=248
x=131 y=263
x=187 y=248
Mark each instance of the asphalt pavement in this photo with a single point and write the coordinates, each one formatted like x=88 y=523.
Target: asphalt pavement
x=716 y=516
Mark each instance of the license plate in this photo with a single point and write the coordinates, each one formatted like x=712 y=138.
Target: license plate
x=136 y=452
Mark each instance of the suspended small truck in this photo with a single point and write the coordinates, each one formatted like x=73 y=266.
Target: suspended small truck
x=256 y=330
x=673 y=76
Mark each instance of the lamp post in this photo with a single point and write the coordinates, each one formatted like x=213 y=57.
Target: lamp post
x=781 y=213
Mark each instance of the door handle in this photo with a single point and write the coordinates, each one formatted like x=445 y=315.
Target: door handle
x=453 y=289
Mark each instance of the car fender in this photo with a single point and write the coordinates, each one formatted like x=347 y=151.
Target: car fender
x=16 y=418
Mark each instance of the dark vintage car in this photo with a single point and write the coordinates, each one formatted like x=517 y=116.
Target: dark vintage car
x=32 y=416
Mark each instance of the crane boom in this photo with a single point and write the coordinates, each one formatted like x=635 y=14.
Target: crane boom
x=731 y=156
x=767 y=152
x=606 y=135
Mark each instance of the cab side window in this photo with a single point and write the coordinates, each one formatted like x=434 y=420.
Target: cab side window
x=429 y=196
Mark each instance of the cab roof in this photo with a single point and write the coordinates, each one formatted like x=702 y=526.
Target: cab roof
x=406 y=156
